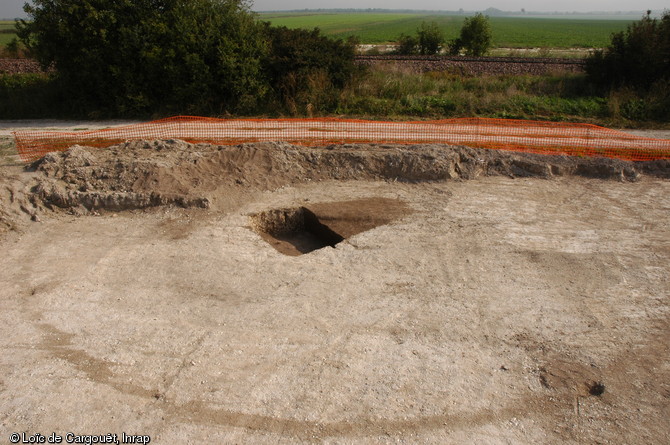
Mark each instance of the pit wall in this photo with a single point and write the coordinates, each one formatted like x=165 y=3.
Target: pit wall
x=502 y=134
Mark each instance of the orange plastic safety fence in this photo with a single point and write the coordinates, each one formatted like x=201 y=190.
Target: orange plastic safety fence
x=502 y=134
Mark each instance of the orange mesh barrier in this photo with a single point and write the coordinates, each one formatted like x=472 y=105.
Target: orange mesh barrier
x=503 y=134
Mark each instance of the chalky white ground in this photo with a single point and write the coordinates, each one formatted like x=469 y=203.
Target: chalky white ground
x=483 y=316
x=488 y=314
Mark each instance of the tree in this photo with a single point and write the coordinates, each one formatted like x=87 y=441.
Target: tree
x=430 y=38
x=475 y=37
x=307 y=69
x=637 y=58
x=141 y=56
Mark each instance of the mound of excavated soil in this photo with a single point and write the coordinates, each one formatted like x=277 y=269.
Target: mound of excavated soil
x=143 y=174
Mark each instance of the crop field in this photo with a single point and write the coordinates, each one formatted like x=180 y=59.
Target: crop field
x=508 y=32
x=7 y=32
x=377 y=28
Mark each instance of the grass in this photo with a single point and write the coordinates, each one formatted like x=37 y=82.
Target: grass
x=6 y=38
x=508 y=32
x=397 y=94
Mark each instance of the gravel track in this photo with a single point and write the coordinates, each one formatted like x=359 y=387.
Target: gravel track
x=19 y=66
x=478 y=65
x=460 y=65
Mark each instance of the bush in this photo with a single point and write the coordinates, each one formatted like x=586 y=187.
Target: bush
x=211 y=57
x=13 y=48
x=24 y=96
x=307 y=70
x=135 y=57
x=631 y=105
x=407 y=45
x=475 y=37
x=636 y=58
x=430 y=38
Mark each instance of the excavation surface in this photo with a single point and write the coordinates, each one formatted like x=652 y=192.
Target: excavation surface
x=529 y=304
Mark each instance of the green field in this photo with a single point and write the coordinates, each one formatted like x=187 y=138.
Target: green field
x=378 y=28
x=508 y=32
x=6 y=31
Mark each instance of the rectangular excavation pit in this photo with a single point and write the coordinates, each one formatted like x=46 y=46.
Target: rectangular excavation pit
x=299 y=230
x=294 y=231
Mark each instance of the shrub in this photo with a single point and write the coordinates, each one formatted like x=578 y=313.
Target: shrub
x=636 y=58
x=307 y=70
x=141 y=56
x=475 y=37
x=407 y=45
x=29 y=96
x=430 y=38
x=13 y=48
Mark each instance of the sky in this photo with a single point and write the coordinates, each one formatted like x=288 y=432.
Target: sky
x=14 y=8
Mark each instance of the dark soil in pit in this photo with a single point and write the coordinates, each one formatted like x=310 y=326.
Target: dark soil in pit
x=299 y=230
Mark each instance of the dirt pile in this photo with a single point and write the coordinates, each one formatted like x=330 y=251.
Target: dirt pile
x=142 y=174
x=90 y=178
x=17 y=200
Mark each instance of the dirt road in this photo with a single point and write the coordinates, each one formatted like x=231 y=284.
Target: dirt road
x=8 y=126
x=492 y=310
